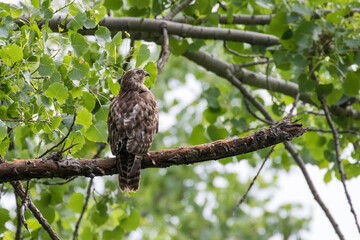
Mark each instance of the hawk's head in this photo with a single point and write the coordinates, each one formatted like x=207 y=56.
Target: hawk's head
x=134 y=78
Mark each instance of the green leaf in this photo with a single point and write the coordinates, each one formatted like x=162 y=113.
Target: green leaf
x=35 y=3
x=337 y=16
x=114 y=42
x=46 y=67
x=4 y=217
x=77 y=22
x=76 y=202
x=197 y=135
x=12 y=111
x=216 y=133
x=142 y=55
x=97 y=132
x=178 y=47
x=84 y=118
x=3 y=132
x=115 y=234
x=100 y=12
x=4 y=146
x=352 y=83
x=103 y=35
x=79 y=44
x=80 y=70
x=113 y=4
x=55 y=122
x=328 y=176
x=58 y=91
x=114 y=86
x=89 y=101
x=131 y=222
x=15 y=52
x=151 y=68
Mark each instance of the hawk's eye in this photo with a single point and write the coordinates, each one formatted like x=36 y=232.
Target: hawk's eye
x=139 y=72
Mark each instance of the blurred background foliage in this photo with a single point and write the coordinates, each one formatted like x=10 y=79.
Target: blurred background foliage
x=46 y=77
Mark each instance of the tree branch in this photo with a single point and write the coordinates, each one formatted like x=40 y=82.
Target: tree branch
x=177 y=9
x=154 y=28
x=220 y=67
x=35 y=168
x=237 y=19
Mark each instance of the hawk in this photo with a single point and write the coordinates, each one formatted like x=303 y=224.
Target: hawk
x=132 y=122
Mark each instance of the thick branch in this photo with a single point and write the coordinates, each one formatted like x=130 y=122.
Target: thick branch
x=154 y=26
x=220 y=68
x=35 y=168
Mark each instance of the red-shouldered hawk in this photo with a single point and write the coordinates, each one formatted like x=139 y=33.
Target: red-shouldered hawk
x=132 y=122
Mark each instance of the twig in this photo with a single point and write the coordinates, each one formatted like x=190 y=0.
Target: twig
x=249 y=97
x=24 y=204
x=164 y=54
x=62 y=140
x=297 y=97
x=244 y=55
x=330 y=131
x=249 y=64
x=311 y=112
x=66 y=5
x=252 y=182
x=177 y=9
x=55 y=183
x=100 y=149
x=130 y=54
x=253 y=113
x=19 y=189
x=222 y=5
x=312 y=188
x=88 y=192
x=22 y=120
x=19 y=222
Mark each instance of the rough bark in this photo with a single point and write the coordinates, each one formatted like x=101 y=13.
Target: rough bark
x=36 y=168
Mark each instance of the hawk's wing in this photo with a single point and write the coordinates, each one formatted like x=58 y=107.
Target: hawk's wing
x=133 y=116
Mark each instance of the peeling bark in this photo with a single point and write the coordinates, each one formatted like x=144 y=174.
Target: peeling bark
x=36 y=168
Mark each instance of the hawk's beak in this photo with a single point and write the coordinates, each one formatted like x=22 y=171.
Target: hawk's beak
x=147 y=74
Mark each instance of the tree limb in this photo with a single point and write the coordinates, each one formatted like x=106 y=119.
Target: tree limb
x=177 y=9
x=219 y=67
x=154 y=27
x=35 y=168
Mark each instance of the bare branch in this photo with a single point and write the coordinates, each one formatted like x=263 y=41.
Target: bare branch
x=254 y=114
x=338 y=160
x=88 y=192
x=312 y=188
x=19 y=189
x=19 y=222
x=35 y=168
x=252 y=182
x=177 y=9
x=62 y=140
x=242 y=55
x=164 y=54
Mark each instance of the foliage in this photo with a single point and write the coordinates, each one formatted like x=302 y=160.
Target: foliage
x=46 y=77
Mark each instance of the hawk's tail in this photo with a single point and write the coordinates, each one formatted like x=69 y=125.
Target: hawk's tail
x=128 y=166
